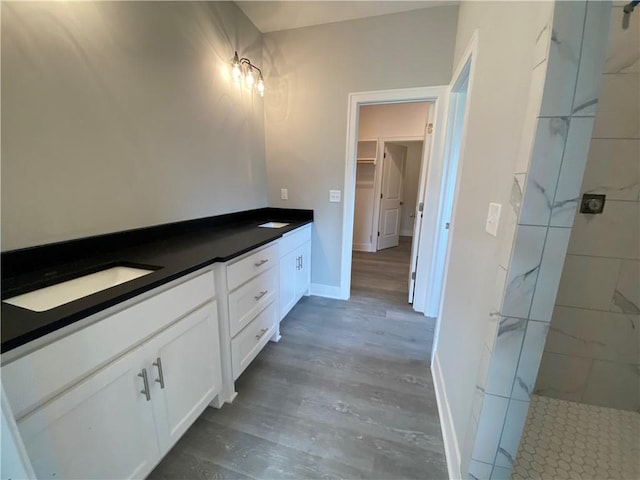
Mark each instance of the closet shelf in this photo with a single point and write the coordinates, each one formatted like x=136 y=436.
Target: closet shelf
x=367 y=151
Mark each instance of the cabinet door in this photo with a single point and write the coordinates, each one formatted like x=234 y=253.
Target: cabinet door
x=288 y=271
x=303 y=273
x=185 y=372
x=102 y=427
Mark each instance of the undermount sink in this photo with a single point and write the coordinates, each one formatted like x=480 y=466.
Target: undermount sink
x=273 y=225
x=55 y=295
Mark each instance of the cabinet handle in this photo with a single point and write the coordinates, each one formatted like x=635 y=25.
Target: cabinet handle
x=297 y=263
x=145 y=379
x=160 y=379
x=301 y=262
x=261 y=262
x=262 y=294
x=261 y=334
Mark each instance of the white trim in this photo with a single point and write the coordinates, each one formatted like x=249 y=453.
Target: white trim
x=404 y=95
x=406 y=233
x=326 y=291
x=363 y=247
x=16 y=462
x=467 y=59
x=451 y=445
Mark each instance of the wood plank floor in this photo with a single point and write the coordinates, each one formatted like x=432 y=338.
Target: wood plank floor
x=346 y=393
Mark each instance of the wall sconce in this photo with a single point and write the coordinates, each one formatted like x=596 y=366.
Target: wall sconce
x=242 y=70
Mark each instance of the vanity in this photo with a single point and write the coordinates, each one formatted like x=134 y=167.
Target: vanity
x=103 y=385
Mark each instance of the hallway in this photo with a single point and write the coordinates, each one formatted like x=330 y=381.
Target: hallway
x=346 y=393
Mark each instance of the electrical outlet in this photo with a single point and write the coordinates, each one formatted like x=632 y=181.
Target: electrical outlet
x=335 y=196
x=284 y=194
x=493 y=218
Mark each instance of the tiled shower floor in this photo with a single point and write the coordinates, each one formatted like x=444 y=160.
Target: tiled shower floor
x=567 y=440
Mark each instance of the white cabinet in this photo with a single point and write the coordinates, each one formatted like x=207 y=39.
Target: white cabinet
x=250 y=341
x=185 y=373
x=119 y=418
x=295 y=267
x=102 y=428
x=251 y=287
x=288 y=263
x=303 y=270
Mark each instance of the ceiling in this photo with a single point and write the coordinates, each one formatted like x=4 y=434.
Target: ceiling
x=271 y=16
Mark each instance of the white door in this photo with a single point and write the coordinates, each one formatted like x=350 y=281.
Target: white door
x=288 y=269
x=103 y=427
x=303 y=272
x=419 y=207
x=185 y=373
x=391 y=196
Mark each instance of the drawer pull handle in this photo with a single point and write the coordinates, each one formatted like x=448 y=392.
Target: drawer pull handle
x=262 y=294
x=160 y=379
x=261 y=262
x=145 y=391
x=261 y=334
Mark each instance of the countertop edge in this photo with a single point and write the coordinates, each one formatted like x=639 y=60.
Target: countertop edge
x=103 y=301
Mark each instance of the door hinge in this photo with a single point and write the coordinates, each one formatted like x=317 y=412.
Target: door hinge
x=413 y=275
x=421 y=207
x=378 y=233
x=430 y=128
x=384 y=155
x=380 y=195
x=447 y=225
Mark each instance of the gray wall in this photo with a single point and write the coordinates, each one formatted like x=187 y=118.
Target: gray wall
x=118 y=115
x=566 y=72
x=592 y=354
x=310 y=72
x=496 y=137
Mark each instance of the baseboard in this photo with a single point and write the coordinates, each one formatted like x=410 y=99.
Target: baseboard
x=406 y=233
x=362 y=247
x=451 y=446
x=327 y=291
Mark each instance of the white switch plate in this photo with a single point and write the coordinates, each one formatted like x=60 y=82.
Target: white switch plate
x=284 y=194
x=493 y=218
x=335 y=196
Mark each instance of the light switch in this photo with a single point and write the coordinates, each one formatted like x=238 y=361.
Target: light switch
x=284 y=194
x=335 y=196
x=493 y=218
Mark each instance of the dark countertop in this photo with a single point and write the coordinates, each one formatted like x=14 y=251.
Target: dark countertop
x=173 y=250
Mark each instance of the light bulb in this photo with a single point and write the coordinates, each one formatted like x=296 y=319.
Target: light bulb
x=249 y=78
x=260 y=86
x=236 y=72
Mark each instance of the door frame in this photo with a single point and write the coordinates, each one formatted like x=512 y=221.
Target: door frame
x=464 y=72
x=438 y=97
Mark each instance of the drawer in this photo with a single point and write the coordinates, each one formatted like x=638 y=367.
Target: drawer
x=292 y=240
x=248 y=267
x=38 y=376
x=246 y=301
x=248 y=343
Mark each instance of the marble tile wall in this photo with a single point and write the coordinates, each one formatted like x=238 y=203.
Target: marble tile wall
x=538 y=229
x=592 y=352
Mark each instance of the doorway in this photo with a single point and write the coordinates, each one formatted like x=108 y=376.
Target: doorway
x=389 y=159
x=384 y=221
x=435 y=97
x=390 y=156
